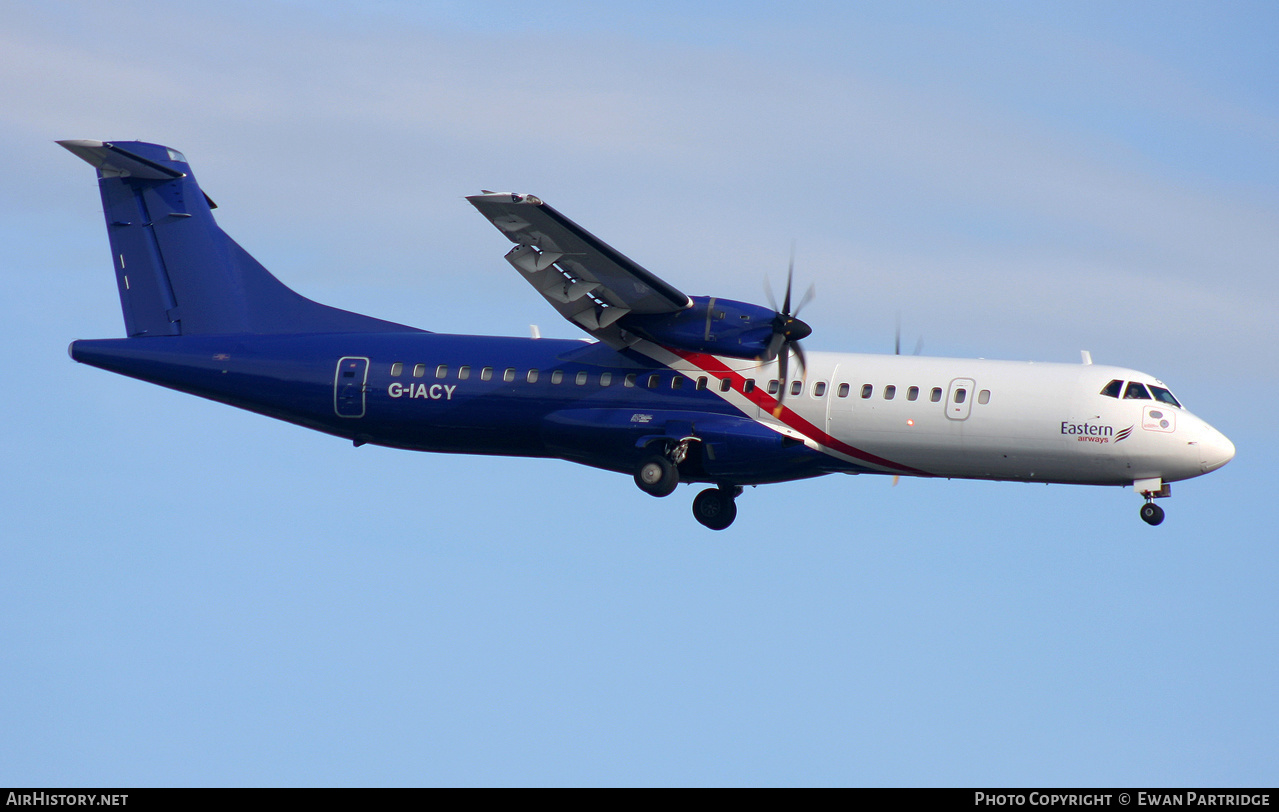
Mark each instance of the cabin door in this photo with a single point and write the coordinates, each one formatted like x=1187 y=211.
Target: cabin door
x=349 y=386
x=959 y=401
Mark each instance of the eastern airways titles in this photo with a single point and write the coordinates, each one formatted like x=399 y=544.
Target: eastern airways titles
x=1090 y=429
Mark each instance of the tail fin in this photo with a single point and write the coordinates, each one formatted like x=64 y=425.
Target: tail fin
x=178 y=272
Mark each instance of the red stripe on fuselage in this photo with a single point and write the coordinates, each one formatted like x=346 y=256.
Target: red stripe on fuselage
x=760 y=397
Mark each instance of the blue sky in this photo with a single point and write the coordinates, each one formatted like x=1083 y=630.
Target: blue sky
x=192 y=595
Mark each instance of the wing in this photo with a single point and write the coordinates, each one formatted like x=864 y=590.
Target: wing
x=586 y=280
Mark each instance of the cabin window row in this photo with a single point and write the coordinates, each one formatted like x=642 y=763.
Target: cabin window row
x=557 y=376
x=935 y=394
x=654 y=380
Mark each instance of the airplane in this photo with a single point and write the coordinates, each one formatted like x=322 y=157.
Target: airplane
x=666 y=387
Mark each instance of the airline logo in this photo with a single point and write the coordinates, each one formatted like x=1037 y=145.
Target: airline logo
x=1095 y=432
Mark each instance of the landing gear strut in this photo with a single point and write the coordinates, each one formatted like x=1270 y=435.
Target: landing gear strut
x=1152 y=489
x=716 y=508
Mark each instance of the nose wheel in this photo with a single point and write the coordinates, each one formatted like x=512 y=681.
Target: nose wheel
x=716 y=508
x=1152 y=489
x=1152 y=514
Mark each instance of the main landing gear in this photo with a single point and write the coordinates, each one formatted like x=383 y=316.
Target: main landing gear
x=658 y=474
x=716 y=507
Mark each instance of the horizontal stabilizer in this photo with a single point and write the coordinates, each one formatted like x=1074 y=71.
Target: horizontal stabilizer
x=114 y=162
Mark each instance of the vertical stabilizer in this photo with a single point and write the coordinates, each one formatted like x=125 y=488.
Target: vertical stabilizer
x=178 y=273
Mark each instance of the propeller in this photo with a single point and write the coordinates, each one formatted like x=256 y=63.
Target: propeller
x=897 y=350
x=788 y=330
x=897 y=341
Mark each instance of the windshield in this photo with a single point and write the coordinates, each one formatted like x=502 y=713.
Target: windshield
x=1139 y=391
x=1164 y=396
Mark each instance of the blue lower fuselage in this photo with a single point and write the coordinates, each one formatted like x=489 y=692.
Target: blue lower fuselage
x=578 y=401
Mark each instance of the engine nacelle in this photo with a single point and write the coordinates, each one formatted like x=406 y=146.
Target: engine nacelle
x=710 y=325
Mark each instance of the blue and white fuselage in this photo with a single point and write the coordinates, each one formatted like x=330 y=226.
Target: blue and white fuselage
x=672 y=389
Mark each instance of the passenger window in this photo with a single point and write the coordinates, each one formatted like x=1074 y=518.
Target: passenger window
x=581 y=378
x=961 y=395
x=912 y=393
x=654 y=380
x=773 y=387
x=796 y=387
x=983 y=397
x=396 y=369
x=843 y=390
x=419 y=370
x=557 y=377
x=935 y=395
x=509 y=374
x=1113 y=389
x=749 y=386
x=629 y=380
x=1136 y=391
x=725 y=384
x=701 y=383
x=890 y=392
x=819 y=389
x=677 y=382
x=463 y=373
x=532 y=376
x=442 y=371
x=486 y=374
x=1164 y=396
x=606 y=379
x=867 y=391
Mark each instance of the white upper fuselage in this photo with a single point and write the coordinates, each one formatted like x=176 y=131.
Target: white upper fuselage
x=975 y=418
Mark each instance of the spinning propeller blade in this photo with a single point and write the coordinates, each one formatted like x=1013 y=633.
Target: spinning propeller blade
x=788 y=330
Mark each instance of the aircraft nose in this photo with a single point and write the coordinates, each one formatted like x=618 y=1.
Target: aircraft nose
x=1215 y=450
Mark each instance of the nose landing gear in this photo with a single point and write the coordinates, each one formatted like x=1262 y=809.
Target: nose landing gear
x=1152 y=489
x=1151 y=513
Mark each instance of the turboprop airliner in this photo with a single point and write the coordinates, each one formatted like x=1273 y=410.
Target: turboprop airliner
x=666 y=387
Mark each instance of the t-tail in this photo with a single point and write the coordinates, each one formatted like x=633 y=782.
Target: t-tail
x=179 y=274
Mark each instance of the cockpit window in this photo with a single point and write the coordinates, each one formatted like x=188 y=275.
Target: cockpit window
x=1113 y=389
x=1136 y=391
x=1164 y=396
